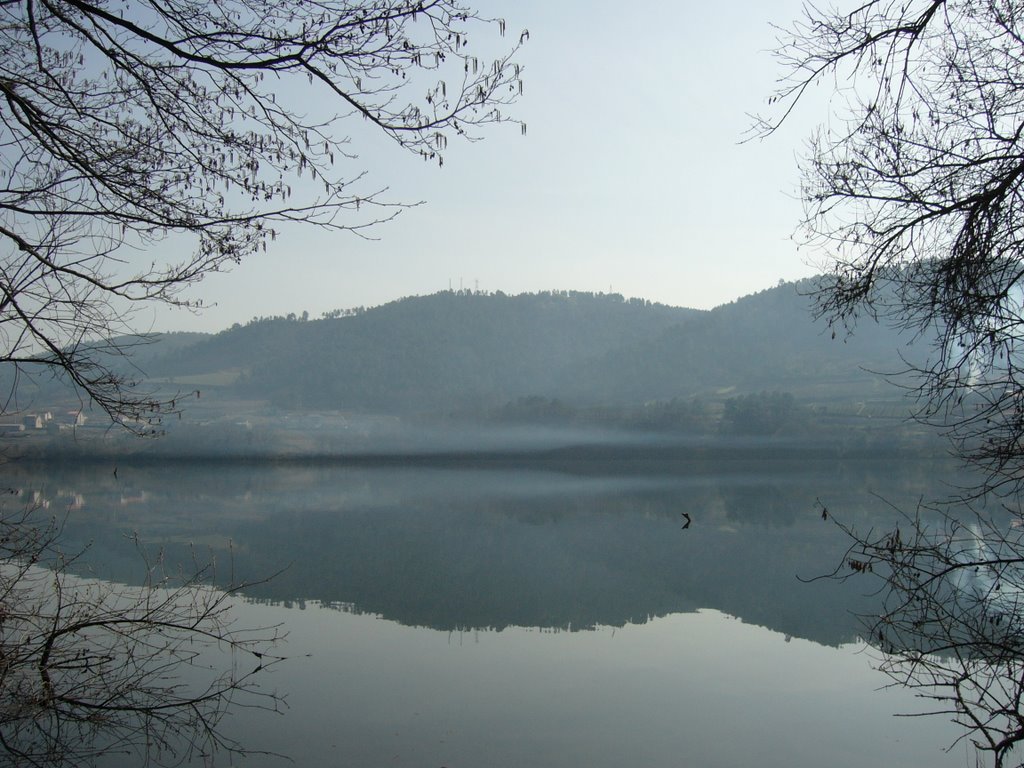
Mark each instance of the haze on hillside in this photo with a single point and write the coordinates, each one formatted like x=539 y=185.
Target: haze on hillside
x=461 y=370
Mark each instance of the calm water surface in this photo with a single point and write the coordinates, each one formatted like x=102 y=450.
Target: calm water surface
x=465 y=616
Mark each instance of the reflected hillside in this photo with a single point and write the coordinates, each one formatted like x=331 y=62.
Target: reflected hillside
x=457 y=549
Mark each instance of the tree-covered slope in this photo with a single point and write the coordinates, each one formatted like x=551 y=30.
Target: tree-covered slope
x=445 y=350
x=766 y=341
x=464 y=350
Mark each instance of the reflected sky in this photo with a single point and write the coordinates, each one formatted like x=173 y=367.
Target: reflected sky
x=688 y=689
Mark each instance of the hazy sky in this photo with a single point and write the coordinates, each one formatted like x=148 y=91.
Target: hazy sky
x=631 y=177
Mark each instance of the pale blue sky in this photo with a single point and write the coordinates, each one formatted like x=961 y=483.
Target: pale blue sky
x=631 y=177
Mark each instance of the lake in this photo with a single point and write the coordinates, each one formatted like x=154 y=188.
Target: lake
x=495 y=611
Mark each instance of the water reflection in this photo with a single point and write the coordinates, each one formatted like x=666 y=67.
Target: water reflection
x=700 y=689
x=455 y=550
x=439 y=607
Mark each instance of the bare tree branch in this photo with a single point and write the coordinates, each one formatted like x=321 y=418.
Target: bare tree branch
x=123 y=125
x=915 y=191
x=89 y=668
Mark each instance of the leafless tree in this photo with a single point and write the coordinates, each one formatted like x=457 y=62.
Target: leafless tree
x=90 y=668
x=124 y=123
x=915 y=190
x=951 y=623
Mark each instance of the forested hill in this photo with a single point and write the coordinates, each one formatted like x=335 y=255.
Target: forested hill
x=765 y=341
x=465 y=350
x=447 y=349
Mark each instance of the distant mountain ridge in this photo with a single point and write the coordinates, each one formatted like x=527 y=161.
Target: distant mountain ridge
x=445 y=350
x=463 y=349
